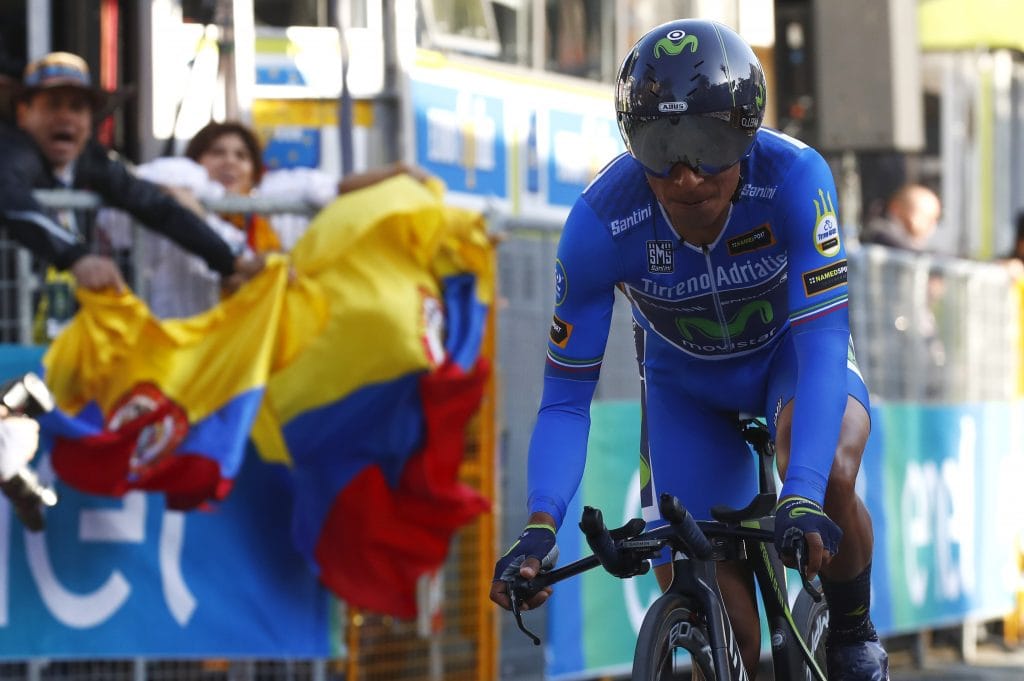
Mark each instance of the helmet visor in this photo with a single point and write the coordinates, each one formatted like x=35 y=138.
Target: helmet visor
x=702 y=142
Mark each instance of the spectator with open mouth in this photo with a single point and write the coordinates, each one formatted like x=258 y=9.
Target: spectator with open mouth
x=55 y=108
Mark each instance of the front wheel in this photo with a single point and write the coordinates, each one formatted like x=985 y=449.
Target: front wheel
x=672 y=638
x=811 y=619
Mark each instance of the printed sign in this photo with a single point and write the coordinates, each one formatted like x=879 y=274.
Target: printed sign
x=218 y=583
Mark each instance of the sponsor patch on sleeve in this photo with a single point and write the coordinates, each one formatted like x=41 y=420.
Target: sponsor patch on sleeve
x=825 y=278
x=560 y=332
x=826 y=226
x=561 y=283
x=751 y=241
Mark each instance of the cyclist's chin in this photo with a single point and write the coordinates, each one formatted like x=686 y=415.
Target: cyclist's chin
x=696 y=217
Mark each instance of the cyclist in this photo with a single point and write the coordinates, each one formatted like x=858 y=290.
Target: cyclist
x=724 y=237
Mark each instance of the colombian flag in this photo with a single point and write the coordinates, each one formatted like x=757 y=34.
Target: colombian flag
x=161 y=405
x=360 y=373
x=371 y=411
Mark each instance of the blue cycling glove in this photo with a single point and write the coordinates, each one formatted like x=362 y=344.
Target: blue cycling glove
x=796 y=517
x=536 y=541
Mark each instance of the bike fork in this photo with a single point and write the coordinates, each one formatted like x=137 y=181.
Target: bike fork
x=700 y=579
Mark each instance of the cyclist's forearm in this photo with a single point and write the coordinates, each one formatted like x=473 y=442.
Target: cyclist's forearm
x=558 y=448
x=820 y=401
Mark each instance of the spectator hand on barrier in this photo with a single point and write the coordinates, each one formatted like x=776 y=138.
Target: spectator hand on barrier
x=247 y=266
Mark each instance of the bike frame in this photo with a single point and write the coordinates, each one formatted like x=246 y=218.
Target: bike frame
x=771 y=579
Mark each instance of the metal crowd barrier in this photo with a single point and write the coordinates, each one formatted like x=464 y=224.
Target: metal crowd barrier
x=934 y=329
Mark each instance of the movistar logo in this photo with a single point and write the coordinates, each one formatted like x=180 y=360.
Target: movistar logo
x=801 y=511
x=759 y=97
x=712 y=329
x=674 y=44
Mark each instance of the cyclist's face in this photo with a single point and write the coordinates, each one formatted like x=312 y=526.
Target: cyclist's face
x=60 y=122
x=696 y=202
x=229 y=162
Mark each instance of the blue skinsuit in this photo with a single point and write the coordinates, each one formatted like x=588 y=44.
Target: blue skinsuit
x=745 y=324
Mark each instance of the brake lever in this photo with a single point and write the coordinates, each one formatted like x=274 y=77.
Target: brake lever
x=801 y=567
x=517 y=613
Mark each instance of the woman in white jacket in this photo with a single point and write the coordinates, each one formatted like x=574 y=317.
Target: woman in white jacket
x=224 y=158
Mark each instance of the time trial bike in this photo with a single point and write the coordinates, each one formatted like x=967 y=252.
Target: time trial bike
x=687 y=627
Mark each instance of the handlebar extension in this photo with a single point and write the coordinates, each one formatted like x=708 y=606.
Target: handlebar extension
x=618 y=563
x=675 y=513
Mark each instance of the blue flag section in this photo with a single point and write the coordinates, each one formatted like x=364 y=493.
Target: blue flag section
x=125 y=577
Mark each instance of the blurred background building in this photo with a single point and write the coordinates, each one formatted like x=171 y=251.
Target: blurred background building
x=892 y=90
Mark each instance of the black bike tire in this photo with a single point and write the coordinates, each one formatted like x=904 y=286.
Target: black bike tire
x=811 y=618
x=653 y=644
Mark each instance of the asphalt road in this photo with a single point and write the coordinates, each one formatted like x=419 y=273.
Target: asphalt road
x=942 y=661
x=991 y=663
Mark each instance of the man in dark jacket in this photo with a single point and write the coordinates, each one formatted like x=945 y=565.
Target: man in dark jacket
x=55 y=108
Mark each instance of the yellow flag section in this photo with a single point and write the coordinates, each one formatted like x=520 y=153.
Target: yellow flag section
x=367 y=306
x=115 y=342
x=162 y=405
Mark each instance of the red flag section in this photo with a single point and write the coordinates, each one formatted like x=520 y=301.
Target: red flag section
x=377 y=540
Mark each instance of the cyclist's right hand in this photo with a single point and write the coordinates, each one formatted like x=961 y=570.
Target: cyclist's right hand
x=801 y=524
x=531 y=553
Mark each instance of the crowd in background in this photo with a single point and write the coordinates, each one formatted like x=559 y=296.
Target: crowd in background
x=187 y=256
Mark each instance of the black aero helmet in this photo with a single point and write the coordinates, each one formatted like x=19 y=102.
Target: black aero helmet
x=690 y=91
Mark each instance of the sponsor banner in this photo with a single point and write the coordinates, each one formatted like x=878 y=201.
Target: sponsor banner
x=527 y=144
x=939 y=482
x=461 y=138
x=952 y=477
x=579 y=143
x=223 y=583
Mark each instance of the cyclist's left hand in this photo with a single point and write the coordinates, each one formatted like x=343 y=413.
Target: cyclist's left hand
x=798 y=519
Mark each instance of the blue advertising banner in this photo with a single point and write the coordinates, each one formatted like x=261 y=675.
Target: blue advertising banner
x=952 y=477
x=940 y=483
x=580 y=144
x=125 y=577
x=460 y=137
x=527 y=145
